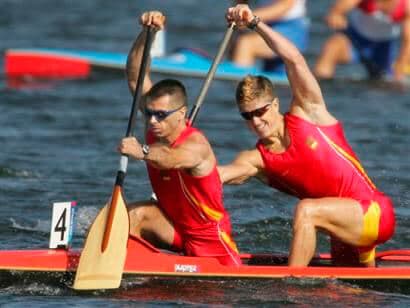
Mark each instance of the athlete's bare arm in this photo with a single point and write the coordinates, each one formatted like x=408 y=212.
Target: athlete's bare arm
x=157 y=21
x=307 y=99
x=247 y=164
x=194 y=155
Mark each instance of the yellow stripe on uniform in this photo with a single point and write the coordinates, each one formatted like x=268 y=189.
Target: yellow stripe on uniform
x=211 y=213
x=367 y=256
x=370 y=232
x=228 y=240
x=350 y=158
x=370 y=225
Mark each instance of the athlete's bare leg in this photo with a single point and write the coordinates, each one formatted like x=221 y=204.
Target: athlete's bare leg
x=339 y=217
x=250 y=47
x=149 y=222
x=337 y=50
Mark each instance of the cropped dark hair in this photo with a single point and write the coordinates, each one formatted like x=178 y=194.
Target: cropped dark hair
x=171 y=87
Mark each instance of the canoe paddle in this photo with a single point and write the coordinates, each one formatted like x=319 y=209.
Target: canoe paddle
x=103 y=257
x=211 y=74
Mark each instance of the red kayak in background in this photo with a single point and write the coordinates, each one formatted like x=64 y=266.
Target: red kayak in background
x=49 y=63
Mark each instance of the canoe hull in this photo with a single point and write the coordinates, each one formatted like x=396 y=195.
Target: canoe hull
x=145 y=260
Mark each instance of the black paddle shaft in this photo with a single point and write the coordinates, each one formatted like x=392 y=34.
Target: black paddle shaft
x=211 y=73
x=140 y=81
x=149 y=37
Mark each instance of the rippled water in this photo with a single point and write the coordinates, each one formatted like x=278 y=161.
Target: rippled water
x=58 y=143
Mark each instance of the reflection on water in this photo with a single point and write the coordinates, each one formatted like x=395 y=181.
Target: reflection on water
x=251 y=292
x=198 y=291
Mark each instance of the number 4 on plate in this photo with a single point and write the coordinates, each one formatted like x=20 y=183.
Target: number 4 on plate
x=62 y=224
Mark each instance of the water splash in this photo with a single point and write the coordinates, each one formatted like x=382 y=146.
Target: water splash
x=83 y=219
x=9 y=172
x=42 y=226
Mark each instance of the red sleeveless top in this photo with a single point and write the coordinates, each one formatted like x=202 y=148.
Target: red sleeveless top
x=318 y=163
x=397 y=14
x=190 y=202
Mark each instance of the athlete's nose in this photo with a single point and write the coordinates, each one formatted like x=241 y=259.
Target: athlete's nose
x=153 y=119
x=255 y=120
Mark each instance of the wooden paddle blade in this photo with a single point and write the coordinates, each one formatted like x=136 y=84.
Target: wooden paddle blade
x=98 y=269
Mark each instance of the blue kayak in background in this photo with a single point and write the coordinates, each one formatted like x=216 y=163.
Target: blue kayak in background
x=65 y=63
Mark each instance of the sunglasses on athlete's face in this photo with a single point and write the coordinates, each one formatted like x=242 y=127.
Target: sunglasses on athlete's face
x=159 y=114
x=248 y=115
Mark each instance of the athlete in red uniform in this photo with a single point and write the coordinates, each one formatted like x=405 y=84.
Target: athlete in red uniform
x=373 y=32
x=304 y=153
x=188 y=215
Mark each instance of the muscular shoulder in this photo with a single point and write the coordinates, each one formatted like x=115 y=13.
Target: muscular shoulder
x=197 y=143
x=198 y=151
x=197 y=136
x=314 y=113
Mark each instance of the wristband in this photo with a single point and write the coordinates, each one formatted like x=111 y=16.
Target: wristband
x=254 y=23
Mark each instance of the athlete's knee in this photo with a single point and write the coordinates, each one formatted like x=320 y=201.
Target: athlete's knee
x=135 y=221
x=305 y=213
x=138 y=214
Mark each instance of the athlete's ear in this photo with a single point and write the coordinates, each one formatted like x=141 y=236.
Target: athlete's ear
x=183 y=112
x=275 y=103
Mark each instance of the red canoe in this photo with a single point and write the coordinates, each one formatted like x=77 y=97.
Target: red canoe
x=145 y=260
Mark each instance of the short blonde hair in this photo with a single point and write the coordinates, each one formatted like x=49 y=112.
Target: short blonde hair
x=254 y=87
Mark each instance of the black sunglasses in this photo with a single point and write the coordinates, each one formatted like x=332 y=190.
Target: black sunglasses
x=159 y=114
x=255 y=113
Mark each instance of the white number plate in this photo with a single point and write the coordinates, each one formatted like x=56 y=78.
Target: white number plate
x=62 y=224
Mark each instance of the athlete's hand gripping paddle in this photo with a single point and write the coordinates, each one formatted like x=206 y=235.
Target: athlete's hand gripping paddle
x=102 y=260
